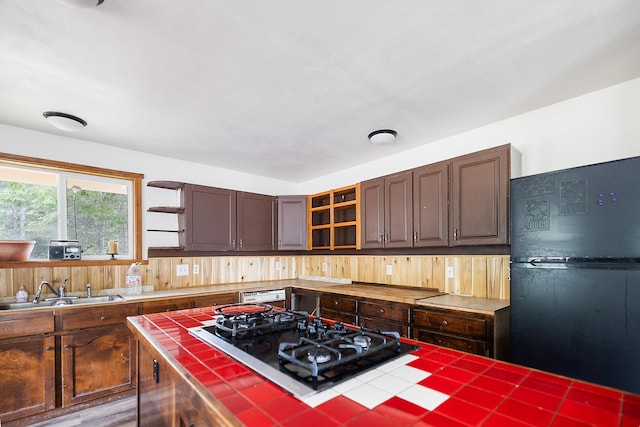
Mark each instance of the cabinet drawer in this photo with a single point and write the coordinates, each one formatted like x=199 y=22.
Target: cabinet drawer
x=398 y=313
x=449 y=323
x=216 y=299
x=338 y=303
x=25 y=324
x=384 y=326
x=339 y=316
x=466 y=345
x=167 y=305
x=96 y=315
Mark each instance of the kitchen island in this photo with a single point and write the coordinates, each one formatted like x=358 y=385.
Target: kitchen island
x=184 y=381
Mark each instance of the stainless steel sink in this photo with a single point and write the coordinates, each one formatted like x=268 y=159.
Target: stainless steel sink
x=61 y=301
x=23 y=305
x=94 y=300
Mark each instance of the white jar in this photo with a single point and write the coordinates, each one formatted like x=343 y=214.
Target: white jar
x=22 y=295
x=134 y=279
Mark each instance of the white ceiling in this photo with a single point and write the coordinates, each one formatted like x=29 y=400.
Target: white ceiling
x=289 y=89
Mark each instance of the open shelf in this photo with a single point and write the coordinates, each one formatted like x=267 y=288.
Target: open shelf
x=166 y=209
x=334 y=219
x=169 y=185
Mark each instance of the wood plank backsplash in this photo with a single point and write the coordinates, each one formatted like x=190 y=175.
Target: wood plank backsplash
x=481 y=276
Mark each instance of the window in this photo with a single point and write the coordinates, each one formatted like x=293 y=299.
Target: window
x=48 y=201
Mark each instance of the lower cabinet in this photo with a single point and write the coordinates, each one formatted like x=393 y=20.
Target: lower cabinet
x=27 y=365
x=97 y=362
x=384 y=315
x=27 y=369
x=64 y=357
x=339 y=308
x=473 y=332
x=166 y=399
x=156 y=392
x=484 y=332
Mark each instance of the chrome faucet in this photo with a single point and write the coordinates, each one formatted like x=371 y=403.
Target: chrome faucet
x=36 y=297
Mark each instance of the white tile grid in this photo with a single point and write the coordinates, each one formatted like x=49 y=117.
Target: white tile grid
x=375 y=387
x=378 y=385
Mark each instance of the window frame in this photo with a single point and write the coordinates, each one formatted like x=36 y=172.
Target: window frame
x=73 y=168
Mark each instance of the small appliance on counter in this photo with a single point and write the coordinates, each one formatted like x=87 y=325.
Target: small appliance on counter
x=65 y=249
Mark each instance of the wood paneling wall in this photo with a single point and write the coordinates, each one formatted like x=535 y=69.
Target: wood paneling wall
x=477 y=275
x=481 y=276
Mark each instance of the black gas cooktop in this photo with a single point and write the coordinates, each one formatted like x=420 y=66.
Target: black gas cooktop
x=301 y=353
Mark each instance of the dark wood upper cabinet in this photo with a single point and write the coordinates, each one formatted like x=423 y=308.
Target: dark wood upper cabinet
x=398 y=211
x=372 y=213
x=386 y=214
x=480 y=197
x=218 y=219
x=209 y=219
x=457 y=202
x=292 y=222
x=431 y=205
x=256 y=222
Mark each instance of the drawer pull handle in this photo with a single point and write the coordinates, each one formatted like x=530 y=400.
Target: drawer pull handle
x=103 y=317
x=336 y=302
x=48 y=348
x=382 y=310
x=445 y=323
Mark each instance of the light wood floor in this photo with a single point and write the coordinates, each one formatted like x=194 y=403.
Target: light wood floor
x=121 y=413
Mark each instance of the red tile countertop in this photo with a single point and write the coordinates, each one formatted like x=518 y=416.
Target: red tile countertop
x=433 y=386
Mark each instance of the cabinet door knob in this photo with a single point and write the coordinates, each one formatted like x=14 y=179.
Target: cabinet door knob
x=48 y=348
x=382 y=310
x=445 y=323
x=336 y=302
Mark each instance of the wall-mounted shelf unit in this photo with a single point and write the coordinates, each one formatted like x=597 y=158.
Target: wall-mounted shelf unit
x=168 y=185
x=334 y=219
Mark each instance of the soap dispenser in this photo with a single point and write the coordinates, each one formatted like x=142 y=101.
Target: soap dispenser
x=22 y=295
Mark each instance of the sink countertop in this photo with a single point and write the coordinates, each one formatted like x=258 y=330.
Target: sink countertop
x=234 y=287
x=401 y=294
x=196 y=290
x=392 y=293
x=465 y=303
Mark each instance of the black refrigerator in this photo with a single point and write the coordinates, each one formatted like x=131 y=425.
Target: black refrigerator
x=575 y=273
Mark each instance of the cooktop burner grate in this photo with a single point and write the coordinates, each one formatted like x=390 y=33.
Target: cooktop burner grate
x=299 y=352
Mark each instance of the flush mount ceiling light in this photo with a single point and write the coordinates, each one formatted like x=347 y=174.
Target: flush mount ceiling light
x=64 y=121
x=382 y=136
x=81 y=3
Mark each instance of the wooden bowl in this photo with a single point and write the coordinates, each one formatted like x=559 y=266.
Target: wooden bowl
x=16 y=250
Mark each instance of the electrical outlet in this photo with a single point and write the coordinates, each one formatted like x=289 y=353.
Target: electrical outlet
x=278 y=266
x=324 y=267
x=182 y=270
x=389 y=269
x=196 y=268
x=449 y=272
